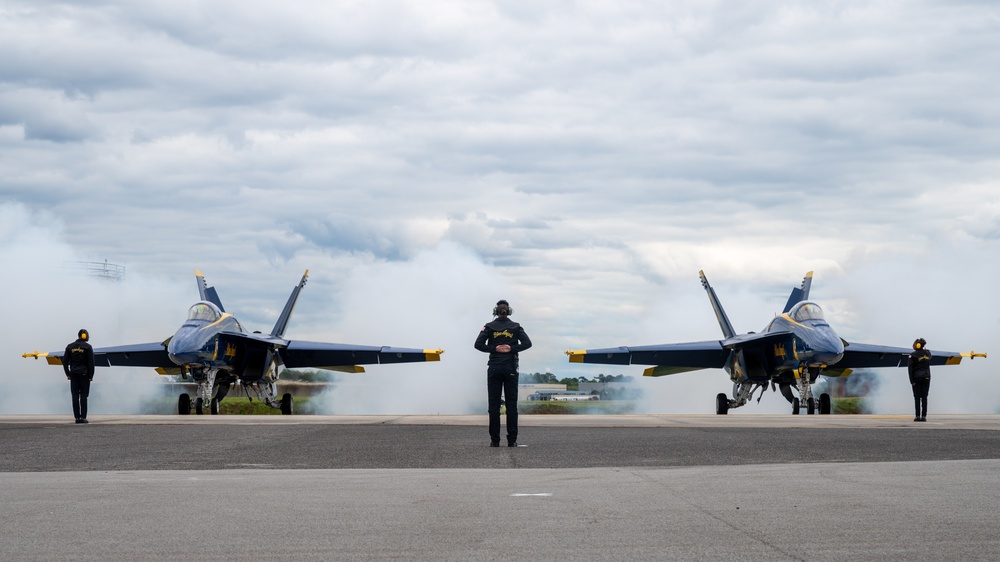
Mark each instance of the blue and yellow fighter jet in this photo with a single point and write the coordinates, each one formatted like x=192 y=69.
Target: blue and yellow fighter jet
x=212 y=349
x=791 y=352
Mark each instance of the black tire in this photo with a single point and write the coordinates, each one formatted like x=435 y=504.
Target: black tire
x=795 y=406
x=721 y=404
x=184 y=405
x=214 y=407
x=199 y=405
x=286 y=404
x=824 y=404
x=811 y=406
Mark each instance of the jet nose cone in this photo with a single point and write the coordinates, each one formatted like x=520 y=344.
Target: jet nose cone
x=829 y=348
x=185 y=347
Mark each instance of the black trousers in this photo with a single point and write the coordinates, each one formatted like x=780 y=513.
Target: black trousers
x=920 y=389
x=502 y=378
x=79 y=387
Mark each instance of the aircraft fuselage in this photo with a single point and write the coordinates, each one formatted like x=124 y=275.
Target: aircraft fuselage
x=812 y=343
x=802 y=340
x=197 y=345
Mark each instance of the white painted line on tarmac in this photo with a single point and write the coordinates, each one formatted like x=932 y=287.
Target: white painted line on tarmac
x=546 y=494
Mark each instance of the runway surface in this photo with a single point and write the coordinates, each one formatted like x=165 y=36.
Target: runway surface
x=429 y=487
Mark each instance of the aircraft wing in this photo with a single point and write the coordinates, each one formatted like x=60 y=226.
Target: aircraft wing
x=669 y=358
x=335 y=356
x=137 y=355
x=862 y=355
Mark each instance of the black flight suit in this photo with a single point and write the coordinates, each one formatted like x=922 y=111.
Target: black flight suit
x=501 y=372
x=78 y=364
x=920 y=378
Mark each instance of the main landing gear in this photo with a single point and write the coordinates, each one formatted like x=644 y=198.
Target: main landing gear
x=744 y=391
x=184 y=405
x=721 y=404
x=824 y=405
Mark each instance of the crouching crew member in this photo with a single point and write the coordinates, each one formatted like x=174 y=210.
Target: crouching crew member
x=503 y=339
x=78 y=364
x=920 y=377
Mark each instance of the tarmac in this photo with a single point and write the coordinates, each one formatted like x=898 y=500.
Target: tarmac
x=634 y=487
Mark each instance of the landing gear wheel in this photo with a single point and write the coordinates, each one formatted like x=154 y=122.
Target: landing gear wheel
x=214 y=406
x=721 y=404
x=199 y=405
x=811 y=406
x=824 y=404
x=184 y=405
x=795 y=406
x=286 y=404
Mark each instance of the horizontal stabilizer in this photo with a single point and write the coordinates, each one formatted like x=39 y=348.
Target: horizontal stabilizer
x=837 y=372
x=662 y=370
x=344 y=368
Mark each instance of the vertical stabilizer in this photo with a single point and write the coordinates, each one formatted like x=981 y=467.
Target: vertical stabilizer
x=799 y=294
x=207 y=293
x=720 y=314
x=282 y=323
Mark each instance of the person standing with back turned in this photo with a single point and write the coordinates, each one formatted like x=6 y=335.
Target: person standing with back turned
x=920 y=377
x=78 y=364
x=503 y=339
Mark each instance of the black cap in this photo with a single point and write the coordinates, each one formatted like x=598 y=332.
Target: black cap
x=501 y=301
x=83 y=334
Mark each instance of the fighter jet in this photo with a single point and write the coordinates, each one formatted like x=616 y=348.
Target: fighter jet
x=214 y=350
x=791 y=352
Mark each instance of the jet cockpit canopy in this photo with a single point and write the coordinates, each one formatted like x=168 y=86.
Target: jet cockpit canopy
x=205 y=311
x=806 y=311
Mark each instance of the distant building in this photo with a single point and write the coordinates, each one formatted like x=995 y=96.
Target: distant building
x=539 y=391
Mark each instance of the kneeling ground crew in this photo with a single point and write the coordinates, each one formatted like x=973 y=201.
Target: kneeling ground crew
x=78 y=364
x=920 y=377
x=503 y=339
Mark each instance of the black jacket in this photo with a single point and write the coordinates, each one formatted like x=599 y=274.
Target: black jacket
x=920 y=365
x=502 y=331
x=79 y=359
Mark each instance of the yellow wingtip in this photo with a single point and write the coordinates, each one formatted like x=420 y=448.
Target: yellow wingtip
x=576 y=355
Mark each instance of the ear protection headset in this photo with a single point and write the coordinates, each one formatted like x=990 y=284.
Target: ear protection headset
x=83 y=335
x=920 y=343
x=499 y=302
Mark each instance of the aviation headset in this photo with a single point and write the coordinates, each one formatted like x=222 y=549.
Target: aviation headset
x=919 y=343
x=499 y=302
x=83 y=334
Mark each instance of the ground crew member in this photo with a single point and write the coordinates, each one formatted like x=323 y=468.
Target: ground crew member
x=78 y=364
x=920 y=377
x=503 y=339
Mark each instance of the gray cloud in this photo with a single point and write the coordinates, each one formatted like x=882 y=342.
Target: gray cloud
x=591 y=156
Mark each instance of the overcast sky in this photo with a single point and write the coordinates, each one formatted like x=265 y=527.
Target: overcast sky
x=581 y=159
